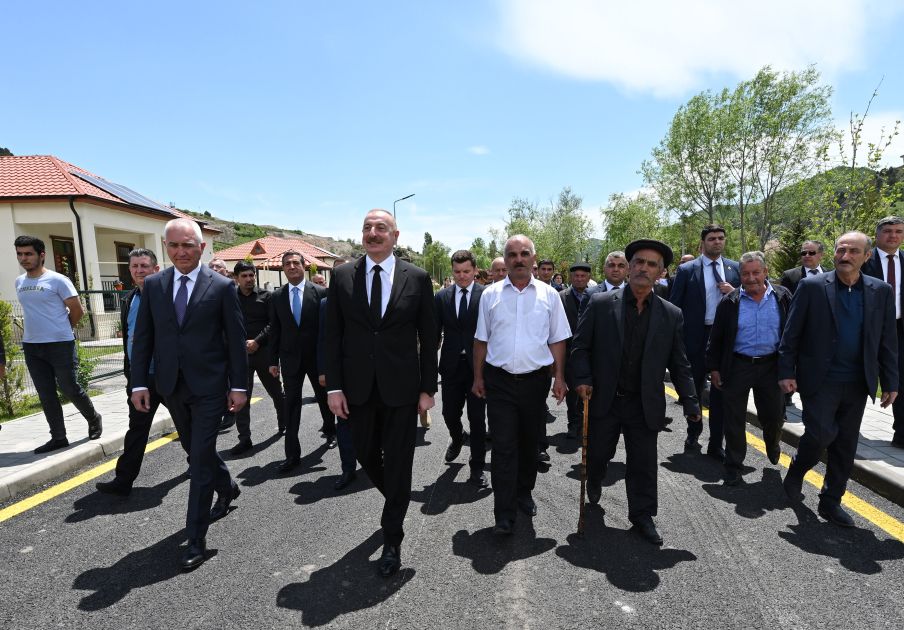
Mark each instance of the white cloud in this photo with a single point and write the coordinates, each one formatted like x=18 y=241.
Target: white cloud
x=479 y=150
x=667 y=47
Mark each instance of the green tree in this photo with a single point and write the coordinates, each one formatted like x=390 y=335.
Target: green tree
x=481 y=253
x=4 y=152
x=12 y=385
x=626 y=219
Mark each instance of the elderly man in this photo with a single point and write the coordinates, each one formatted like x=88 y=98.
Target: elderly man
x=520 y=338
x=381 y=367
x=838 y=344
x=574 y=299
x=625 y=342
x=743 y=354
x=319 y=280
x=219 y=266
x=811 y=253
x=498 y=270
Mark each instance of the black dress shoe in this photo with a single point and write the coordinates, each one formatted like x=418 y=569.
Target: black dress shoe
x=479 y=480
x=390 y=560
x=645 y=528
x=95 y=427
x=793 y=485
x=716 y=452
x=280 y=430
x=331 y=440
x=289 y=464
x=572 y=432
x=243 y=446
x=344 y=479
x=594 y=492
x=691 y=443
x=228 y=421
x=195 y=554
x=527 y=506
x=732 y=477
x=453 y=451
x=117 y=487
x=504 y=527
x=834 y=513
x=898 y=439
x=542 y=456
x=52 y=445
x=774 y=453
x=221 y=505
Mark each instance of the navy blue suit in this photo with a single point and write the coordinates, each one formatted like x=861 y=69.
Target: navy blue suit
x=689 y=294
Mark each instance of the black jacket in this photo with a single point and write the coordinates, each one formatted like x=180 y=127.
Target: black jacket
x=293 y=346
x=455 y=337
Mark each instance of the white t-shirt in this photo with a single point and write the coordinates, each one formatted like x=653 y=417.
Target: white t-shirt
x=46 y=317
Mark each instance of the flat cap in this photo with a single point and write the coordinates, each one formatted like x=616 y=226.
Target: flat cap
x=649 y=243
x=580 y=266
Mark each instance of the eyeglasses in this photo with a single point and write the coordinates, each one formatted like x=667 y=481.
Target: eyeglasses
x=808 y=253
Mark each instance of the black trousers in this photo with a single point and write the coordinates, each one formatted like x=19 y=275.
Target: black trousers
x=762 y=378
x=197 y=418
x=384 y=440
x=625 y=417
x=697 y=359
x=456 y=395
x=259 y=363
x=293 y=384
x=129 y=463
x=51 y=365
x=515 y=409
x=832 y=418
x=897 y=407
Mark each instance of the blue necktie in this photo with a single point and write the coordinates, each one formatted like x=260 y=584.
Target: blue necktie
x=181 y=301
x=296 y=306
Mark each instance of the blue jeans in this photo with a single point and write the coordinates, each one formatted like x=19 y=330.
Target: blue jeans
x=54 y=364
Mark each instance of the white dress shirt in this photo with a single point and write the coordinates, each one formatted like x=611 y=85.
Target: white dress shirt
x=300 y=286
x=387 y=268
x=612 y=287
x=458 y=294
x=519 y=326
x=883 y=256
x=189 y=286
x=713 y=294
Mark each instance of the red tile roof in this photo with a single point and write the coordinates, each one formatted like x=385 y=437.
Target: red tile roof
x=268 y=250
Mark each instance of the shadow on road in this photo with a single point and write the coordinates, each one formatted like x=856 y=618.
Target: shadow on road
x=99 y=504
x=752 y=500
x=615 y=472
x=696 y=463
x=256 y=475
x=421 y=438
x=145 y=567
x=349 y=584
x=627 y=561
x=857 y=549
x=310 y=492
x=490 y=553
x=444 y=492
x=257 y=448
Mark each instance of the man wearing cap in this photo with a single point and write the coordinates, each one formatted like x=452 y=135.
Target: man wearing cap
x=624 y=343
x=574 y=299
x=810 y=256
x=885 y=264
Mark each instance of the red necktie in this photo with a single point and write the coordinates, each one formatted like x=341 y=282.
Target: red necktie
x=891 y=271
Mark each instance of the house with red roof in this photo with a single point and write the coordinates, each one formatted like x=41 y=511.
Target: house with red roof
x=266 y=254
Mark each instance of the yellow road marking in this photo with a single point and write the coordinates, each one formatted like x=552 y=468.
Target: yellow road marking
x=874 y=515
x=65 y=486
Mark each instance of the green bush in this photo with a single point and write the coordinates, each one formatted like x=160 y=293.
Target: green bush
x=12 y=385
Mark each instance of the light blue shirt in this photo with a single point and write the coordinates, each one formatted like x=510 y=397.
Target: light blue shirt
x=713 y=294
x=758 y=324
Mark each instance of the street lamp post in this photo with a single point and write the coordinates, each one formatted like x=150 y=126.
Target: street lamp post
x=398 y=200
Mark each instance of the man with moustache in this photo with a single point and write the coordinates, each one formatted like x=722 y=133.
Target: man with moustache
x=456 y=309
x=190 y=326
x=624 y=343
x=381 y=366
x=142 y=263
x=519 y=341
x=574 y=299
x=498 y=270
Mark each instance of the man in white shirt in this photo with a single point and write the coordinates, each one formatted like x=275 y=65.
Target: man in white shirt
x=615 y=271
x=520 y=337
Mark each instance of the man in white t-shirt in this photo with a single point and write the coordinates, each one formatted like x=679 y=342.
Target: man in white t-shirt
x=52 y=309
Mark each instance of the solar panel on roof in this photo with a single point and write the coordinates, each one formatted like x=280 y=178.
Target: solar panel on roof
x=126 y=194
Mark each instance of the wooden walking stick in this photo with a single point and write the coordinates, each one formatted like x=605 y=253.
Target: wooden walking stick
x=583 y=465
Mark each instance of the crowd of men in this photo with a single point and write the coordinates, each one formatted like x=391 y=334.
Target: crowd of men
x=375 y=341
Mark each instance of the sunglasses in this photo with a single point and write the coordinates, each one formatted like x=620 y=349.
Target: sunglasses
x=808 y=253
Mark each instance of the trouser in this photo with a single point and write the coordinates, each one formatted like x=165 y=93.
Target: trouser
x=831 y=418
x=293 y=384
x=384 y=440
x=129 y=463
x=626 y=417
x=516 y=412
x=259 y=363
x=762 y=378
x=197 y=418
x=542 y=438
x=898 y=406
x=54 y=364
x=456 y=395
x=697 y=360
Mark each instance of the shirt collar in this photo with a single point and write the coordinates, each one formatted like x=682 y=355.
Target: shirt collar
x=470 y=288
x=192 y=275
x=885 y=255
x=300 y=286
x=818 y=269
x=387 y=265
x=611 y=287
x=707 y=261
x=508 y=282
x=769 y=291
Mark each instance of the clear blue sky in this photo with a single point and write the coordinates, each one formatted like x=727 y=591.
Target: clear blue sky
x=307 y=114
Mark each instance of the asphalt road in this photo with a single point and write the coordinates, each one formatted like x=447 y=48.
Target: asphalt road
x=294 y=553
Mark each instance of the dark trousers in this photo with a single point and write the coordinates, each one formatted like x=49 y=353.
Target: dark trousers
x=384 y=443
x=515 y=411
x=832 y=418
x=898 y=406
x=625 y=417
x=345 y=440
x=542 y=438
x=699 y=372
x=456 y=394
x=197 y=418
x=129 y=463
x=259 y=363
x=54 y=364
x=293 y=384
x=762 y=378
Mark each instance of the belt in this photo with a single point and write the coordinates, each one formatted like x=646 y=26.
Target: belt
x=755 y=360
x=520 y=377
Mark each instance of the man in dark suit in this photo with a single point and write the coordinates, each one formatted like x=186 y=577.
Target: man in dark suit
x=615 y=272
x=811 y=253
x=742 y=354
x=626 y=340
x=456 y=309
x=698 y=287
x=294 y=324
x=885 y=264
x=838 y=344
x=575 y=299
x=380 y=308
x=142 y=263
x=190 y=324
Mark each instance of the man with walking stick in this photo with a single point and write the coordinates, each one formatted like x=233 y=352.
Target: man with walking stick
x=626 y=339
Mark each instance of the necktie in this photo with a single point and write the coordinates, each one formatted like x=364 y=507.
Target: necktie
x=181 y=301
x=891 y=272
x=812 y=272
x=131 y=318
x=463 y=306
x=376 y=294
x=296 y=306
x=716 y=272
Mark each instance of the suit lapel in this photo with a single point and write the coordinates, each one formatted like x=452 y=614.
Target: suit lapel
x=450 y=305
x=474 y=303
x=399 y=278
x=701 y=281
x=167 y=280
x=617 y=313
x=359 y=288
x=202 y=283
x=656 y=323
x=830 y=296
